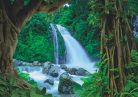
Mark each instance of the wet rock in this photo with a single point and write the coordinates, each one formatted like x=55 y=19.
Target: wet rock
x=30 y=64
x=63 y=66
x=25 y=63
x=35 y=63
x=22 y=63
x=82 y=72
x=47 y=63
x=66 y=84
x=79 y=71
x=49 y=81
x=72 y=71
x=54 y=71
x=47 y=85
x=50 y=69
x=17 y=62
x=46 y=67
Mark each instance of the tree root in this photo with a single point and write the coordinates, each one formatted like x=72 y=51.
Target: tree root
x=23 y=84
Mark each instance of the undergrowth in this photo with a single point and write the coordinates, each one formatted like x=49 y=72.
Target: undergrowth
x=10 y=88
x=95 y=85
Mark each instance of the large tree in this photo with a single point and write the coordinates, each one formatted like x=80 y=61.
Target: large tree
x=13 y=15
x=117 y=40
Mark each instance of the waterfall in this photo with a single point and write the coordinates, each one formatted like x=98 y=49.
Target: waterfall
x=55 y=41
x=76 y=56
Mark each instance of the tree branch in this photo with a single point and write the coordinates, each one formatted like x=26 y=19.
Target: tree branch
x=6 y=5
x=27 y=11
x=16 y=7
x=35 y=6
x=46 y=7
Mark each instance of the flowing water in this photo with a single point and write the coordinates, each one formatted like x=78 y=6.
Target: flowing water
x=35 y=73
x=76 y=56
x=55 y=41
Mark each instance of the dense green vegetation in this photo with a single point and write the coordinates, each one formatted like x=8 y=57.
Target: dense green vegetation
x=88 y=20
x=75 y=18
x=35 y=41
x=98 y=85
x=9 y=88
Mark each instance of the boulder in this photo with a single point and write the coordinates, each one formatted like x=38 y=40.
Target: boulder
x=82 y=72
x=54 y=71
x=51 y=69
x=30 y=64
x=71 y=71
x=25 y=63
x=47 y=63
x=35 y=63
x=63 y=66
x=66 y=84
x=46 y=67
x=79 y=71
x=49 y=81
x=17 y=62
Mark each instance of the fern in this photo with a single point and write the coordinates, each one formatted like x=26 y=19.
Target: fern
x=130 y=90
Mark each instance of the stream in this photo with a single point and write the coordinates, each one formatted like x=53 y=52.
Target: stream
x=35 y=73
x=77 y=65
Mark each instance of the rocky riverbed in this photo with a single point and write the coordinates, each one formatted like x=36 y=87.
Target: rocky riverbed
x=57 y=79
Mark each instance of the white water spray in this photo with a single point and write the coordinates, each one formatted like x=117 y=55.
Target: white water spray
x=76 y=56
x=55 y=41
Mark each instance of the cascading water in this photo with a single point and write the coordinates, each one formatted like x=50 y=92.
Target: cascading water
x=55 y=41
x=76 y=56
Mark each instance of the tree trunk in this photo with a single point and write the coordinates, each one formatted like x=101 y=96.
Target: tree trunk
x=12 y=18
x=116 y=42
x=8 y=41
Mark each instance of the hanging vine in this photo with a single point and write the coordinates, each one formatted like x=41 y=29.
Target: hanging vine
x=117 y=40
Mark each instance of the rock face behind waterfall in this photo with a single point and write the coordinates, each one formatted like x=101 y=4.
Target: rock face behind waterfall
x=66 y=84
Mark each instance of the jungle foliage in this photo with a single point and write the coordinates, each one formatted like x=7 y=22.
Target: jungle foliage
x=96 y=85
x=101 y=83
x=10 y=88
x=35 y=41
x=87 y=31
